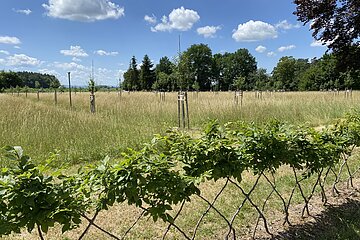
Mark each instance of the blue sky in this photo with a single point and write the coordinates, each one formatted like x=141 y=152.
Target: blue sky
x=58 y=36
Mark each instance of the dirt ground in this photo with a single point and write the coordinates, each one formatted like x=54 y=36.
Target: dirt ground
x=338 y=219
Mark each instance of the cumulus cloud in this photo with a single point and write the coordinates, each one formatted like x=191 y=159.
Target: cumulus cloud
x=285 y=25
x=49 y=71
x=75 y=51
x=179 y=19
x=271 y=54
x=9 y=40
x=208 y=31
x=260 y=49
x=75 y=59
x=83 y=10
x=319 y=43
x=22 y=60
x=105 y=53
x=4 y=52
x=150 y=19
x=23 y=11
x=69 y=66
x=254 y=31
x=285 y=48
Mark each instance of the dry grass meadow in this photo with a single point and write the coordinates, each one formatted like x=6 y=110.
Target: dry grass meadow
x=131 y=119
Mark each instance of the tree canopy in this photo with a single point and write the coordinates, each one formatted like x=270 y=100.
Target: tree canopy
x=27 y=79
x=335 y=23
x=198 y=69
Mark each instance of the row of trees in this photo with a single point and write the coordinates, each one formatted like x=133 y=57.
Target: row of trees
x=198 y=69
x=324 y=73
x=27 y=79
x=195 y=69
x=334 y=23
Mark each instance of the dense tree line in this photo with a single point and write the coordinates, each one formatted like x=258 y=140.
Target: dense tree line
x=195 y=69
x=334 y=23
x=27 y=79
x=198 y=69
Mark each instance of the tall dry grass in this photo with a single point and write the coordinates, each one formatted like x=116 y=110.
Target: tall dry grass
x=129 y=120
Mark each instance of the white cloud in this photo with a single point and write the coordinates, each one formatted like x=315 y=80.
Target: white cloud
x=75 y=51
x=179 y=19
x=208 y=31
x=260 y=49
x=49 y=71
x=254 y=31
x=286 y=26
x=285 y=48
x=104 y=53
x=4 y=52
x=17 y=47
x=271 y=54
x=318 y=43
x=23 y=11
x=22 y=60
x=150 y=19
x=75 y=59
x=9 y=40
x=69 y=66
x=83 y=10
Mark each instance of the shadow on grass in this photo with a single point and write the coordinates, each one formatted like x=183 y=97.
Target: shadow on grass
x=335 y=222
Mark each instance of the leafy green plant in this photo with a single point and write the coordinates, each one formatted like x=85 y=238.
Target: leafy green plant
x=30 y=198
x=168 y=171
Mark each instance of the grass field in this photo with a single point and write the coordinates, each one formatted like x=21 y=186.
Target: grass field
x=130 y=120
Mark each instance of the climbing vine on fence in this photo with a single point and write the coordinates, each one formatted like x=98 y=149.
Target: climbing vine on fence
x=168 y=171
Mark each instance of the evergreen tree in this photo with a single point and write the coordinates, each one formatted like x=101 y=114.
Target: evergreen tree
x=131 y=76
x=147 y=74
x=165 y=66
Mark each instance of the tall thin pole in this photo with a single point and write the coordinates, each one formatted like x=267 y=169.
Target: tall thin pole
x=180 y=80
x=187 y=109
x=179 y=102
x=69 y=89
x=92 y=69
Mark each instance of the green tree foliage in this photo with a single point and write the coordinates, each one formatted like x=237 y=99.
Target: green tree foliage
x=131 y=76
x=197 y=62
x=163 y=82
x=9 y=79
x=321 y=74
x=165 y=79
x=165 y=66
x=45 y=80
x=147 y=74
x=168 y=171
x=336 y=23
x=27 y=79
x=196 y=69
x=286 y=74
x=260 y=79
x=230 y=66
x=217 y=71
